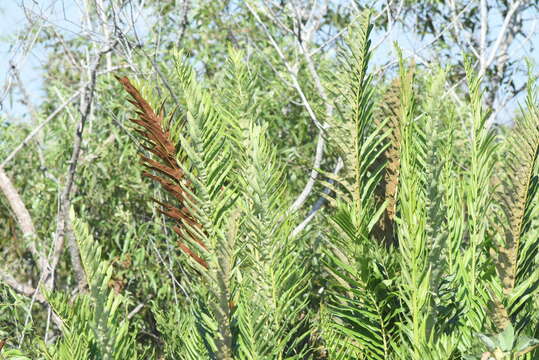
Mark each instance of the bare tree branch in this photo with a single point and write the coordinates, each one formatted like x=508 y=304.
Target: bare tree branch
x=300 y=200
x=24 y=218
x=296 y=205
x=292 y=72
x=21 y=288
x=483 y=36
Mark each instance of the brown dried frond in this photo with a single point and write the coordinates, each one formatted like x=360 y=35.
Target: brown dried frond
x=500 y=317
x=170 y=176
x=518 y=193
x=387 y=190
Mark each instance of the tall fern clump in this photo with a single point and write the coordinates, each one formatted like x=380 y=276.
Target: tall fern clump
x=433 y=294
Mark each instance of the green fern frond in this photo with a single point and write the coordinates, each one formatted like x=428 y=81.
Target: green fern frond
x=354 y=132
x=214 y=194
x=474 y=274
x=411 y=221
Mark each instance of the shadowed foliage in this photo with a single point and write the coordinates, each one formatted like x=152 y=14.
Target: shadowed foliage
x=388 y=114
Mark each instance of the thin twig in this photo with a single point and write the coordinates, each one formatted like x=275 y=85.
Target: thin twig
x=293 y=73
x=501 y=35
x=135 y=311
x=391 y=24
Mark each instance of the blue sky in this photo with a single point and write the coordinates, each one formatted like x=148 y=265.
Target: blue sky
x=12 y=21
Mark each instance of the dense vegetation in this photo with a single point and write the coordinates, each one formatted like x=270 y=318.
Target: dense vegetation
x=418 y=240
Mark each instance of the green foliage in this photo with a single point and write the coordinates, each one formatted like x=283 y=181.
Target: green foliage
x=428 y=248
x=94 y=323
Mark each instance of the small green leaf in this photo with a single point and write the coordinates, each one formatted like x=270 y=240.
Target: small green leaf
x=506 y=339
